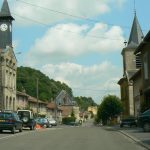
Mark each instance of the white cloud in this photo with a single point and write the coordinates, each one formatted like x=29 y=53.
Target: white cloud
x=66 y=41
x=96 y=81
x=85 y=8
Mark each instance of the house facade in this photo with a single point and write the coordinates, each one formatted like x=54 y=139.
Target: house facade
x=137 y=92
x=144 y=51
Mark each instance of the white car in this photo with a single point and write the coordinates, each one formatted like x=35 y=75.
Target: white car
x=52 y=121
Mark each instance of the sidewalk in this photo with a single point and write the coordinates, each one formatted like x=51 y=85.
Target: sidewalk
x=136 y=134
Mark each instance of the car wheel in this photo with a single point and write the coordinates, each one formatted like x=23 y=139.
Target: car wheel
x=50 y=126
x=13 y=130
x=146 y=127
x=1 y=131
x=25 y=119
x=20 y=130
x=121 y=126
x=45 y=126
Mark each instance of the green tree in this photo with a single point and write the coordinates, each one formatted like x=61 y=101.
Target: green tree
x=110 y=108
x=84 y=102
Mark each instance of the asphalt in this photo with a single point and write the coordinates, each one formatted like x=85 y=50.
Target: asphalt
x=136 y=134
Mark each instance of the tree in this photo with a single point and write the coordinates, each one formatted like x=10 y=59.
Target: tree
x=84 y=102
x=110 y=108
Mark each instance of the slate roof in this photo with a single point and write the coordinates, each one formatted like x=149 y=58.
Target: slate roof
x=136 y=34
x=5 y=11
x=146 y=40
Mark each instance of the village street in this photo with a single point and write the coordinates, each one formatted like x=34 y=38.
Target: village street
x=86 y=137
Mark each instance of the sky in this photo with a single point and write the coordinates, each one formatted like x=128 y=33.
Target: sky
x=78 y=42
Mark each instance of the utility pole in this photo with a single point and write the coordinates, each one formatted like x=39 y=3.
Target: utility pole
x=37 y=94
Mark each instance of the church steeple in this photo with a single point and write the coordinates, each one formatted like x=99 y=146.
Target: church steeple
x=5 y=11
x=5 y=26
x=136 y=34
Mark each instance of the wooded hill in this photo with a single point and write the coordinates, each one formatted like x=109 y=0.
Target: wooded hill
x=48 y=88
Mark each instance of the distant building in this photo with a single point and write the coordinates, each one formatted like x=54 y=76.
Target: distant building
x=93 y=109
x=67 y=105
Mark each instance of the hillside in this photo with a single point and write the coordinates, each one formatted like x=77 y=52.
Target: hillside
x=48 y=88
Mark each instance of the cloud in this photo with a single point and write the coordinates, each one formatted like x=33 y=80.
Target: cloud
x=66 y=41
x=95 y=81
x=55 y=10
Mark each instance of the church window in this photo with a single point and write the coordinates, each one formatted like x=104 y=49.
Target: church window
x=146 y=65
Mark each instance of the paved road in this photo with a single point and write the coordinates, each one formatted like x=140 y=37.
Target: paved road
x=68 y=138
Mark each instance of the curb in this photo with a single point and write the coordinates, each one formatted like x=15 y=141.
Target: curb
x=136 y=140
x=131 y=137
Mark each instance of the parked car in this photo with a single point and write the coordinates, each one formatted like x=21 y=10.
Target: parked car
x=10 y=121
x=131 y=121
x=27 y=118
x=52 y=121
x=72 y=123
x=43 y=122
x=144 y=121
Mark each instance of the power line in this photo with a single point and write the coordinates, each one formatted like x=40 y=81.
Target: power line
x=71 y=15
x=88 y=35
x=93 y=89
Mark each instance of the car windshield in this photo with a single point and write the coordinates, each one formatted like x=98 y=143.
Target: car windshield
x=147 y=112
x=24 y=114
x=44 y=120
x=5 y=115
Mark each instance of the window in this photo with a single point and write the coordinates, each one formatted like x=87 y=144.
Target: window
x=146 y=65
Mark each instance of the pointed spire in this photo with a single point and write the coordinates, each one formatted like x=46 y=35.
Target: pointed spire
x=136 y=34
x=5 y=11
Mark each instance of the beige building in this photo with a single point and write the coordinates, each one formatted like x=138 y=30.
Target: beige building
x=8 y=68
x=21 y=100
x=93 y=109
x=8 y=62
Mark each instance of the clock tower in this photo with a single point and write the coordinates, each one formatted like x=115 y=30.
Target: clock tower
x=5 y=26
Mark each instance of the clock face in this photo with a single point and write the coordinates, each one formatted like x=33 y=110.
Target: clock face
x=3 y=27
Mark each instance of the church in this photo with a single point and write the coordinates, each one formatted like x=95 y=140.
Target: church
x=8 y=62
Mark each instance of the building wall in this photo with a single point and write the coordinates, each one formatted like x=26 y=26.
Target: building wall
x=8 y=67
x=129 y=59
x=146 y=77
x=125 y=97
x=21 y=102
x=137 y=86
x=131 y=101
x=76 y=112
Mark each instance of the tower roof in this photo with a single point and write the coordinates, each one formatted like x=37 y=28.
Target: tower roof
x=5 y=11
x=136 y=34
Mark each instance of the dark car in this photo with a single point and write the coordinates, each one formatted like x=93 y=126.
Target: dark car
x=131 y=121
x=144 y=121
x=10 y=121
x=27 y=118
x=72 y=123
x=43 y=122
